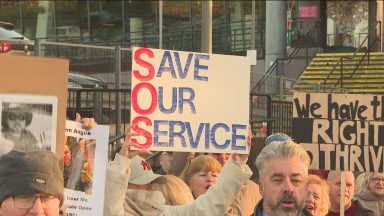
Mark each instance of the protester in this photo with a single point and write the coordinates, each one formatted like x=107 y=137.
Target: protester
x=283 y=170
x=350 y=207
x=201 y=174
x=165 y=159
x=31 y=183
x=317 y=198
x=120 y=202
x=175 y=191
x=371 y=192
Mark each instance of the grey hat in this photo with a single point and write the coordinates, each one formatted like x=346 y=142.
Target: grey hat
x=24 y=173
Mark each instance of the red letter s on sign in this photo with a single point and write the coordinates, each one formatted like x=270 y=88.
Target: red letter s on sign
x=141 y=62
x=141 y=131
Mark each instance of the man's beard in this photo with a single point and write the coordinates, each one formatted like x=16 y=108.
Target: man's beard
x=287 y=211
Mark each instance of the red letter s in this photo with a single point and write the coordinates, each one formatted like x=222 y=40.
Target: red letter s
x=141 y=62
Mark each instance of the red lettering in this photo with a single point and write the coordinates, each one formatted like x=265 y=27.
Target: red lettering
x=141 y=131
x=141 y=62
x=135 y=104
x=146 y=165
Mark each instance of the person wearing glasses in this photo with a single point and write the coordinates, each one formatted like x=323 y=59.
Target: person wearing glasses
x=15 y=120
x=31 y=183
x=371 y=192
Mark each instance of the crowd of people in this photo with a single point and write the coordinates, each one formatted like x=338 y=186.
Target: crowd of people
x=32 y=183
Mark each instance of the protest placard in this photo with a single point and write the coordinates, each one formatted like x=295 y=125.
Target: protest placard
x=28 y=122
x=31 y=77
x=340 y=131
x=185 y=101
x=85 y=160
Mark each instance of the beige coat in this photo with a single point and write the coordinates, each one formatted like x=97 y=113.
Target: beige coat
x=122 y=202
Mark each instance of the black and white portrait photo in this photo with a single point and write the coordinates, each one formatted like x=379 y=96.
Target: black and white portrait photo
x=26 y=125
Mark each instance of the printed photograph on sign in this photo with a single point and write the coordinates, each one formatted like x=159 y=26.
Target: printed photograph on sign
x=79 y=157
x=85 y=160
x=28 y=123
x=187 y=101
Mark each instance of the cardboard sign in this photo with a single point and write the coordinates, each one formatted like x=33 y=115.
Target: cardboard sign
x=340 y=131
x=185 y=101
x=36 y=76
x=85 y=161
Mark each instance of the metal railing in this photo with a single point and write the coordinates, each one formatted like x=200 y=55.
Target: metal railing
x=367 y=51
x=303 y=43
x=228 y=38
x=339 y=64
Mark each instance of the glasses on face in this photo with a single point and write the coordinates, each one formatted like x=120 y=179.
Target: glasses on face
x=376 y=180
x=13 y=117
x=27 y=202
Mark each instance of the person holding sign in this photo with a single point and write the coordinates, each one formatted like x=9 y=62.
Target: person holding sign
x=283 y=170
x=351 y=208
x=216 y=200
x=31 y=183
x=371 y=192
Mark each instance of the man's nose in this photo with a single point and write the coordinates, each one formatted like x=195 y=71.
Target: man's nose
x=287 y=185
x=37 y=208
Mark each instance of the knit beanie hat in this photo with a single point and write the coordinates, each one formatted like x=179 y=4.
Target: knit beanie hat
x=25 y=173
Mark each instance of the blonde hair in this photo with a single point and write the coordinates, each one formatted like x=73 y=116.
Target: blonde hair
x=281 y=149
x=325 y=203
x=203 y=163
x=362 y=183
x=175 y=191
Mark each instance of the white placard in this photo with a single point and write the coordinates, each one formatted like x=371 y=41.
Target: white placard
x=185 y=101
x=85 y=160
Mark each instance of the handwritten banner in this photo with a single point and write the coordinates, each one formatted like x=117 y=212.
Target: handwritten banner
x=185 y=101
x=340 y=131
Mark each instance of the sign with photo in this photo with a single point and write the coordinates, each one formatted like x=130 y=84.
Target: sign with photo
x=85 y=160
x=37 y=81
x=340 y=131
x=28 y=122
x=186 y=101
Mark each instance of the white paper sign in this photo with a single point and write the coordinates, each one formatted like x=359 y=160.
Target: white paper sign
x=185 y=101
x=85 y=160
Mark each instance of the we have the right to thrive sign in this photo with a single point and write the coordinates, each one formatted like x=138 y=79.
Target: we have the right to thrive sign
x=340 y=131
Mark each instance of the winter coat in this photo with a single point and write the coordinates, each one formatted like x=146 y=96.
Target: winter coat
x=122 y=202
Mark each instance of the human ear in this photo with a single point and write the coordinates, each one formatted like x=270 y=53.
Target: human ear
x=261 y=187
